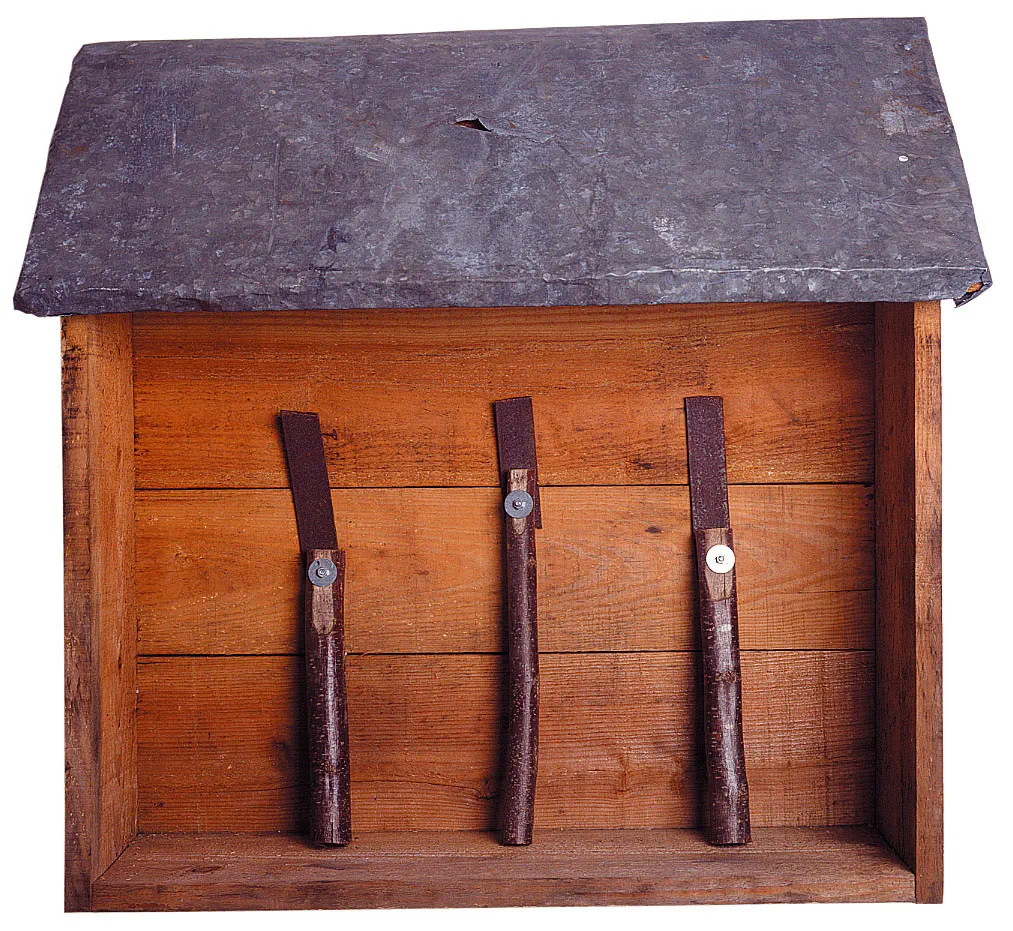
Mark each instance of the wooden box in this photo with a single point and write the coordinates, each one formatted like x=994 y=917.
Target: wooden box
x=183 y=578
x=395 y=232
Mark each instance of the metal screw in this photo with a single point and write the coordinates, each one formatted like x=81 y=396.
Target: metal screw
x=322 y=572
x=518 y=504
x=720 y=558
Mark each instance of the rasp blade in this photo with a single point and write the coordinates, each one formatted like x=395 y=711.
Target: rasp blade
x=515 y=442
x=307 y=470
x=708 y=482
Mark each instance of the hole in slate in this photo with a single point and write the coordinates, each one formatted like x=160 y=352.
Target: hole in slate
x=473 y=123
x=333 y=238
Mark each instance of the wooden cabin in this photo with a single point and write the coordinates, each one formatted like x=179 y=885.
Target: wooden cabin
x=394 y=232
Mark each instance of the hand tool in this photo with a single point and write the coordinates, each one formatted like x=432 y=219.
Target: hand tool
x=323 y=620
x=515 y=440
x=726 y=797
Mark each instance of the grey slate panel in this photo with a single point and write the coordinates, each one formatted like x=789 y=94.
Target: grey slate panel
x=807 y=160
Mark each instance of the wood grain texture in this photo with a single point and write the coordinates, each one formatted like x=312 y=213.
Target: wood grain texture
x=909 y=808
x=520 y=753
x=404 y=397
x=100 y=628
x=726 y=792
x=330 y=813
x=222 y=741
x=428 y=870
x=615 y=569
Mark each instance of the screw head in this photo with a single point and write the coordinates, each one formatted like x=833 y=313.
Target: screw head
x=720 y=558
x=322 y=572
x=518 y=504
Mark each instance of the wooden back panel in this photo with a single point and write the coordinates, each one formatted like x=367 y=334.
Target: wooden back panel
x=405 y=397
x=405 y=402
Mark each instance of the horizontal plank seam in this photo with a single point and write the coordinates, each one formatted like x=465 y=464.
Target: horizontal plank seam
x=875 y=835
x=141 y=656
x=646 y=485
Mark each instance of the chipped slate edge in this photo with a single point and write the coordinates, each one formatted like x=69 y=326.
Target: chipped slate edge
x=646 y=287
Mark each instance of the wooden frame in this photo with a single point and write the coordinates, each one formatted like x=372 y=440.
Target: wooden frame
x=909 y=634
x=100 y=627
x=110 y=866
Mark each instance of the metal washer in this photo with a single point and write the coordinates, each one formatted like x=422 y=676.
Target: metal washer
x=518 y=504
x=322 y=572
x=720 y=558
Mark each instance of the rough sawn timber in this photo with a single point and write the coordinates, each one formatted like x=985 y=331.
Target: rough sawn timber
x=909 y=635
x=618 y=740
x=446 y=869
x=608 y=385
x=428 y=569
x=99 y=626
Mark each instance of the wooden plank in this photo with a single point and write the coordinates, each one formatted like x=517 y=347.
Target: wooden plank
x=221 y=741
x=100 y=630
x=425 y=569
x=446 y=869
x=909 y=589
x=404 y=397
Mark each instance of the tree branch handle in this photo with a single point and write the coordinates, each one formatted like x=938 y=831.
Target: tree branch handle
x=517 y=792
x=326 y=702
x=726 y=800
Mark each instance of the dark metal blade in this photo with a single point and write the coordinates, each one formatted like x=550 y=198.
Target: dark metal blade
x=708 y=482
x=515 y=442
x=307 y=471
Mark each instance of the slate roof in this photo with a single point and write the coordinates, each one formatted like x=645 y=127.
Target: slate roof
x=755 y=161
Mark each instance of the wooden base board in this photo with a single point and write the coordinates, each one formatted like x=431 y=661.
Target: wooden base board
x=467 y=869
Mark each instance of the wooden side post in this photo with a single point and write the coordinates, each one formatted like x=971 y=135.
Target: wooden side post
x=99 y=633
x=909 y=770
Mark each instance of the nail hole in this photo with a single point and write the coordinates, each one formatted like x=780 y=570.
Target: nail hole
x=473 y=123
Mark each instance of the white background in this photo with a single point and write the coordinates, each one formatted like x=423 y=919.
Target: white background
x=972 y=48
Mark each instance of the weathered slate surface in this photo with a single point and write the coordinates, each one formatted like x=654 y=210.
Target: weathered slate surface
x=621 y=165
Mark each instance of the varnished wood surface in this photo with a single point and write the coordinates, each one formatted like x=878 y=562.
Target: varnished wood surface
x=404 y=397
x=221 y=741
x=425 y=569
x=99 y=631
x=444 y=869
x=909 y=807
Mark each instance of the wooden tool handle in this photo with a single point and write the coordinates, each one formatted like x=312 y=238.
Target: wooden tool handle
x=726 y=801
x=330 y=806
x=517 y=792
